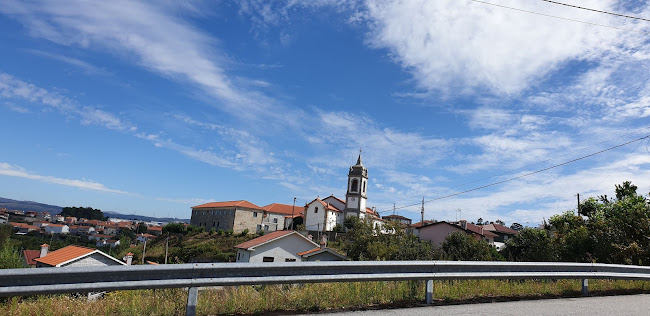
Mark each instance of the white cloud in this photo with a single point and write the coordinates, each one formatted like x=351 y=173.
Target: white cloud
x=15 y=171
x=152 y=34
x=85 y=66
x=382 y=147
x=465 y=45
x=15 y=89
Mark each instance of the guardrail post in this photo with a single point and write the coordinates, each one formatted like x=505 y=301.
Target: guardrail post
x=585 y=287
x=429 y=294
x=192 y=297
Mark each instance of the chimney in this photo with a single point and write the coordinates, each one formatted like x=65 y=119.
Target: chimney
x=128 y=258
x=463 y=224
x=44 y=249
x=323 y=242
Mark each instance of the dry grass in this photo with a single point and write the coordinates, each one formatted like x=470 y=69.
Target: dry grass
x=308 y=297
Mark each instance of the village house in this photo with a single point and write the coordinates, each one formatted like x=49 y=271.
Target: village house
x=154 y=230
x=503 y=233
x=438 y=231
x=57 y=229
x=140 y=238
x=24 y=228
x=284 y=246
x=76 y=256
x=40 y=224
x=230 y=215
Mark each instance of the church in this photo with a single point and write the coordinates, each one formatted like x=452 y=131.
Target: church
x=324 y=215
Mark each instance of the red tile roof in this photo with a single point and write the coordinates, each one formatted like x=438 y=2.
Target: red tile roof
x=309 y=251
x=64 y=255
x=283 y=209
x=500 y=228
x=396 y=217
x=30 y=256
x=241 y=203
x=479 y=230
x=155 y=228
x=262 y=239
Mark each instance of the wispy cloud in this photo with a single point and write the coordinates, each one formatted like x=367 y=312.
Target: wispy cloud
x=85 y=66
x=15 y=89
x=382 y=147
x=16 y=171
x=152 y=34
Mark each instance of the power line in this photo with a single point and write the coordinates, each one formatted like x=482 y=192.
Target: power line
x=527 y=166
x=599 y=11
x=561 y=18
x=524 y=175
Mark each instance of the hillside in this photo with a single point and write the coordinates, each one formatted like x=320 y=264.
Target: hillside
x=27 y=206
x=192 y=247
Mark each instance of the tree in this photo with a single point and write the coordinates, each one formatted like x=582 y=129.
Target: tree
x=530 y=245
x=365 y=242
x=83 y=212
x=516 y=226
x=461 y=246
x=479 y=221
x=175 y=228
x=9 y=256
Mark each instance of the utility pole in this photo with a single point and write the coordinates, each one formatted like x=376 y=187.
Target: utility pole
x=579 y=204
x=144 y=250
x=293 y=212
x=393 y=208
x=422 y=212
x=166 y=247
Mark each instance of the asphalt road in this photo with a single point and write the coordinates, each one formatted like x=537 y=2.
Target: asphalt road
x=599 y=305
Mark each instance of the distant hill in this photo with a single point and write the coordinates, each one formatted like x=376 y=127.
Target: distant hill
x=145 y=218
x=53 y=209
x=27 y=206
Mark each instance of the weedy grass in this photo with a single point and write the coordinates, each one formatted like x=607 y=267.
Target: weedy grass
x=288 y=298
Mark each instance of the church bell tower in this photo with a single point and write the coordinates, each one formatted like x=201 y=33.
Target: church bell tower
x=355 y=198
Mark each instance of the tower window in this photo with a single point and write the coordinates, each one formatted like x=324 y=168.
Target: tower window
x=364 y=186
x=355 y=186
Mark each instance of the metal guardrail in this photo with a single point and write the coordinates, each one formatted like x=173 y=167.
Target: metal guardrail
x=18 y=282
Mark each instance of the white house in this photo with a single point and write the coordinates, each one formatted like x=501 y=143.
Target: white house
x=57 y=229
x=144 y=237
x=322 y=216
x=278 y=246
x=75 y=256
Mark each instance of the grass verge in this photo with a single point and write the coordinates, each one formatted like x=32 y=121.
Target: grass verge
x=310 y=297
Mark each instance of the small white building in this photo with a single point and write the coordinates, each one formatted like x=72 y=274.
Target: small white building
x=283 y=246
x=57 y=229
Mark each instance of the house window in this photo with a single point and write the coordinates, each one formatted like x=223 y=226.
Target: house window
x=275 y=220
x=267 y=259
x=238 y=256
x=289 y=260
x=316 y=209
x=259 y=227
x=355 y=186
x=266 y=228
x=254 y=214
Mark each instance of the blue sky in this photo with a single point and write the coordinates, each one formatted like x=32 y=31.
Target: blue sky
x=154 y=107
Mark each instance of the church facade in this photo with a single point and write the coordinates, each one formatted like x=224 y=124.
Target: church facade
x=325 y=214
